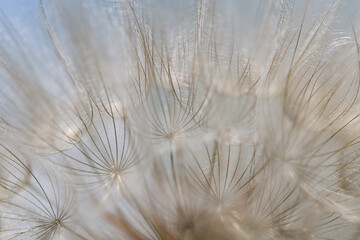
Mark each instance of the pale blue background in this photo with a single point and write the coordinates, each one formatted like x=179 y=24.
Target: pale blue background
x=24 y=15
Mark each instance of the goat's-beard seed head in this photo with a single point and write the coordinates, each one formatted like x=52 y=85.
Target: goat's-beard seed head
x=180 y=120
x=36 y=202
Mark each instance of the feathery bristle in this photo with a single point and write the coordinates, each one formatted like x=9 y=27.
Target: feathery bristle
x=181 y=120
